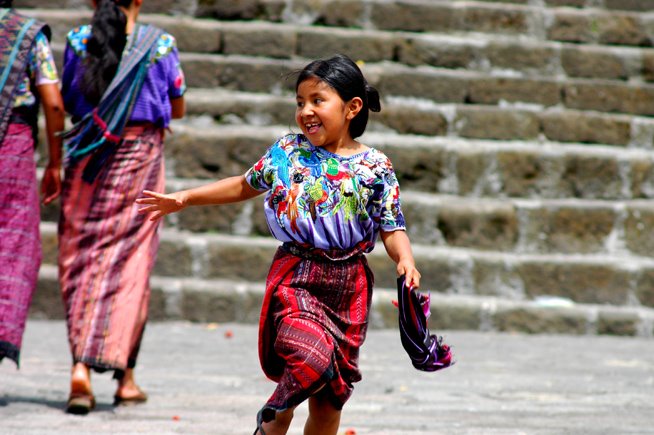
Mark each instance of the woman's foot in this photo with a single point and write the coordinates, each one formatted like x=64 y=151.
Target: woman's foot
x=81 y=399
x=128 y=392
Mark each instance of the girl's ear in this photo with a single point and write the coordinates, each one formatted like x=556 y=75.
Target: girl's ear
x=354 y=106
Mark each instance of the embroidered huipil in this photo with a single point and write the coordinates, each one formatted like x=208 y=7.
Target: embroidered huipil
x=41 y=70
x=323 y=200
x=164 y=81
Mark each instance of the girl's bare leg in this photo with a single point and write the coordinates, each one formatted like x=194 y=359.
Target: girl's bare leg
x=281 y=423
x=323 y=418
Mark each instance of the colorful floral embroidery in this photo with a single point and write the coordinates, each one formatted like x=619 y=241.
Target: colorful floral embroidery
x=317 y=194
x=41 y=70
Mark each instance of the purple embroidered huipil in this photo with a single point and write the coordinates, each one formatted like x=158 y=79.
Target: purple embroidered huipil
x=326 y=201
x=164 y=81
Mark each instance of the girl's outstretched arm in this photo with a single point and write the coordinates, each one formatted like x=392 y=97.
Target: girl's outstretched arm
x=398 y=248
x=228 y=190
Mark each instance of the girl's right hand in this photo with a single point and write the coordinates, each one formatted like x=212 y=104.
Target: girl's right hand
x=161 y=204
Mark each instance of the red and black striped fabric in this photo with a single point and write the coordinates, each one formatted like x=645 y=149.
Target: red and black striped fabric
x=314 y=319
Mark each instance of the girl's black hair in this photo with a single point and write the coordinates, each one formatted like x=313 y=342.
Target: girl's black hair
x=104 y=48
x=6 y=3
x=341 y=73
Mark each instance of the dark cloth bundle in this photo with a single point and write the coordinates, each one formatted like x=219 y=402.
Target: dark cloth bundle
x=427 y=351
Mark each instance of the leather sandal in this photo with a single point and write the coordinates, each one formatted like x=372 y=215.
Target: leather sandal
x=141 y=397
x=80 y=403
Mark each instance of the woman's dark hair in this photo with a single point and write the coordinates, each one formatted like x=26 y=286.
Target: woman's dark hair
x=6 y=3
x=104 y=48
x=345 y=77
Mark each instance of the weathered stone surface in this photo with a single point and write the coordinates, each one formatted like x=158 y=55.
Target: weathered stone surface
x=591 y=177
x=194 y=156
x=622 y=30
x=492 y=19
x=176 y=7
x=638 y=230
x=642 y=179
x=477 y=227
x=414 y=17
x=262 y=41
x=174 y=258
x=47 y=303
x=157 y=306
x=593 y=62
x=208 y=306
x=568 y=229
x=374 y=47
x=422 y=50
x=647 y=69
x=572 y=126
x=228 y=9
x=524 y=57
x=442 y=89
x=495 y=277
x=239 y=262
x=617 y=323
x=535 y=321
x=523 y=173
x=571 y=27
x=581 y=282
x=568 y=3
x=645 y=287
x=470 y=166
x=493 y=123
x=344 y=13
x=447 y=317
x=223 y=218
x=191 y=35
x=493 y=90
x=411 y=120
x=49 y=246
x=628 y=5
x=418 y=168
x=609 y=97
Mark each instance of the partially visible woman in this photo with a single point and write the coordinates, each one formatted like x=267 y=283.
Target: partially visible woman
x=28 y=76
x=106 y=249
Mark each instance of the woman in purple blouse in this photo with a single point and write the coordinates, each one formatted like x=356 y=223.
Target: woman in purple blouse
x=106 y=249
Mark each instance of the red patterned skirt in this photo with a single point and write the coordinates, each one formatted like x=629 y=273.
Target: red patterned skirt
x=314 y=319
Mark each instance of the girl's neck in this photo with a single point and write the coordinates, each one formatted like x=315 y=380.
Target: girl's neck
x=351 y=148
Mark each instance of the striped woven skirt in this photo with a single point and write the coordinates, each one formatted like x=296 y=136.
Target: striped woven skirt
x=313 y=321
x=107 y=251
x=20 y=242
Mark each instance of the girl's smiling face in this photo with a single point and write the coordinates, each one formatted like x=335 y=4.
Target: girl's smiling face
x=323 y=116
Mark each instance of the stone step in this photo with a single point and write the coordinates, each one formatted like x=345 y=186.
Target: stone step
x=221 y=301
x=416 y=116
x=491 y=53
x=276 y=76
x=587 y=25
x=447 y=165
x=624 y=280
x=506 y=225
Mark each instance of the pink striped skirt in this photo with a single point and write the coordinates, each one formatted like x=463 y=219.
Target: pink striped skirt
x=107 y=251
x=20 y=242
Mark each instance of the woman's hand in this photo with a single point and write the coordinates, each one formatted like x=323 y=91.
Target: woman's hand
x=412 y=276
x=51 y=184
x=161 y=204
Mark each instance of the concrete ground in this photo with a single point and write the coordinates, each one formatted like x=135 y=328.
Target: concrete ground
x=205 y=379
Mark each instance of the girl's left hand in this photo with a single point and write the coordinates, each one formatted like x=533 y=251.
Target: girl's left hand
x=412 y=276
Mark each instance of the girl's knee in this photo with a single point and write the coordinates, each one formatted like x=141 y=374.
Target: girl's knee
x=321 y=408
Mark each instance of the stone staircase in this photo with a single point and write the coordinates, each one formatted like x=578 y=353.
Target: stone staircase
x=522 y=132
